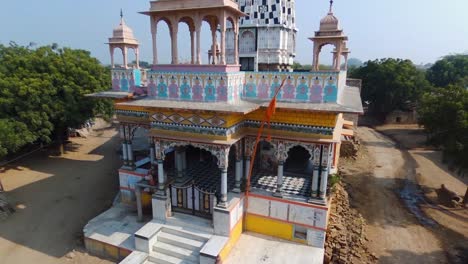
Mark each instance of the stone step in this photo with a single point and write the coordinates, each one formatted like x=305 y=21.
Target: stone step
x=159 y=258
x=187 y=233
x=175 y=251
x=192 y=222
x=178 y=241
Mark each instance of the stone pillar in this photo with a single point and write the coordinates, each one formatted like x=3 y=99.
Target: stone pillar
x=125 y=57
x=279 y=180
x=238 y=176
x=192 y=46
x=154 y=31
x=236 y=43
x=178 y=166
x=324 y=172
x=125 y=152
x=137 y=58
x=222 y=49
x=247 y=167
x=315 y=173
x=315 y=62
x=213 y=48
x=161 y=178
x=198 y=30
x=111 y=50
x=174 y=32
x=130 y=153
x=152 y=160
x=315 y=178
x=223 y=200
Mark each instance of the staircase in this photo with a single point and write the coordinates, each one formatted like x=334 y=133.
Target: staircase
x=177 y=245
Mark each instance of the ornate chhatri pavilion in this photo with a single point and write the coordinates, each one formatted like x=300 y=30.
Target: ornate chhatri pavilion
x=188 y=135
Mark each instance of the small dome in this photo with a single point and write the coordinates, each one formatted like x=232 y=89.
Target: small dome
x=123 y=31
x=329 y=22
x=123 y=34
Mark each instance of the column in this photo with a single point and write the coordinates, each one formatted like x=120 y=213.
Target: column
x=315 y=61
x=238 y=176
x=139 y=205
x=125 y=57
x=178 y=166
x=192 y=46
x=174 y=32
x=130 y=153
x=111 y=49
x=223 y=201
x=154 y=31
x=124 y=152
x=236 y=43
x=137 y=58
x=161 y=178
x=183 y=157
x=213 y=48
x=315 y=171
x=339 y=50
x=315 y=178
x=198 y=31
x=279 y=180
x=222 y=49
x=152 y=160
x=324 y=173
x=247 y=167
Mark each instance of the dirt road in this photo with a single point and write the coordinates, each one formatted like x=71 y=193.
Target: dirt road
x=395 y=235
x=55 y=197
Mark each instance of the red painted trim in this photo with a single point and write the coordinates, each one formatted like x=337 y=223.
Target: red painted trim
x=289 y=202
x=132 y=173
x=289 y=222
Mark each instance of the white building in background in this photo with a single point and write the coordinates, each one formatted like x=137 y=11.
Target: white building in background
x=267 y=35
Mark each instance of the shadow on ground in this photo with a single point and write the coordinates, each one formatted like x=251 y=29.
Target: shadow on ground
x=52 y=211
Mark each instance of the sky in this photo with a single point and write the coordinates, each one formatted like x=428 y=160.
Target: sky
x=420 y=30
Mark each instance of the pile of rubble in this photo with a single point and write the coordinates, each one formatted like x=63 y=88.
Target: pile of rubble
x=350 y=148
x=346 y=239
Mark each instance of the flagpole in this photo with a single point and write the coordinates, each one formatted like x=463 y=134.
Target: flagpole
x=269 y=113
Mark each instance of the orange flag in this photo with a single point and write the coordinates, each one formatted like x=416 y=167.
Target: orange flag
x=270 y=111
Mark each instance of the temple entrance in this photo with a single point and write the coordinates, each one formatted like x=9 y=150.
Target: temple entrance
x=194 y=180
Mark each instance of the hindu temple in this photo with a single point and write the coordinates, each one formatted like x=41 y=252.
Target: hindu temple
x=193 y=173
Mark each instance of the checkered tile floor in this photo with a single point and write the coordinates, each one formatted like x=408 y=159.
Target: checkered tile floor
x=207 y=176
x=295 y=184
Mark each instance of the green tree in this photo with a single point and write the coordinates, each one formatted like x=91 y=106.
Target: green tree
x=451 y=69
x=444 y=114
x=390 y=84
x=42 y=93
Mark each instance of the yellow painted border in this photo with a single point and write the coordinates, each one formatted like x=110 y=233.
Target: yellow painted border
x=236 y=232
x=269 y=227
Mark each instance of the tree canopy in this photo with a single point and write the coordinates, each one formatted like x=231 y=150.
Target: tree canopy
x=450 y=70
x=443 y=111
x=390 y=84
x=42 y=93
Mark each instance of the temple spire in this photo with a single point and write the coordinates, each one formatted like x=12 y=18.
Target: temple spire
x=121 y=17
x=331 y=7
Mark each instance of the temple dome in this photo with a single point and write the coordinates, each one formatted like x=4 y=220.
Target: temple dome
x=123 y=34
x=329 y=22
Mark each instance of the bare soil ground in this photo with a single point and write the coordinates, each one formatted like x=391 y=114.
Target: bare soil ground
x=429 y=173
x=55 y=197
x=373 y=183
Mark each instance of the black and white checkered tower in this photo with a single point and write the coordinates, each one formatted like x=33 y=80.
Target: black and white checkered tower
x=267 y=35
